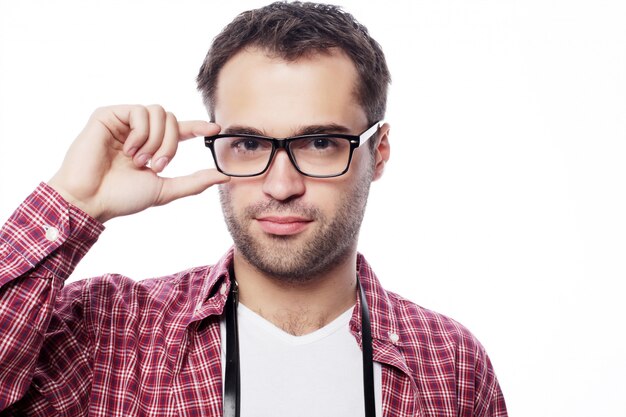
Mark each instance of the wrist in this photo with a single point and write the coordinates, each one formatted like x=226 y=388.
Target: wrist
x=70 y=198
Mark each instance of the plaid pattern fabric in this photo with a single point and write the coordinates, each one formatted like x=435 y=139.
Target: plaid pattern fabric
x=112 y=346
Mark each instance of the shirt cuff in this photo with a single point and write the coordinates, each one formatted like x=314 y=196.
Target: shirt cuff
x=46 y=229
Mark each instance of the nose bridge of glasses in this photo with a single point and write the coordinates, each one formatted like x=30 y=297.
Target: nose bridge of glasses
x=281 y=143
x=282 y=158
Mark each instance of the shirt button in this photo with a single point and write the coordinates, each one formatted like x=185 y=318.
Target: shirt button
x=223 y=289
x=394 y=337
x=52 y=233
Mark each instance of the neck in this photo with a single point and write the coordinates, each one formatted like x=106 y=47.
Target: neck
x=297 y=308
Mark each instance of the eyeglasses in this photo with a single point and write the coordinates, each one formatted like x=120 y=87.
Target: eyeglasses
x=319 y=155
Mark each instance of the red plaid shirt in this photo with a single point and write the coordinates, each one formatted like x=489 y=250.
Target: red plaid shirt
x=112 y=346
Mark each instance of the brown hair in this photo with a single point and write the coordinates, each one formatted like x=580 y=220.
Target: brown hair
x=293 y=30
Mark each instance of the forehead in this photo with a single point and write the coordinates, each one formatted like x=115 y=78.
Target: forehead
x=271 y=93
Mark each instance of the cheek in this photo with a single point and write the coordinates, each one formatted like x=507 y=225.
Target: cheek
x=362 y=164
x=328 y=195
x=240 y=192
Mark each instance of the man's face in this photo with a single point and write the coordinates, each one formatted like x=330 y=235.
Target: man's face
x=284 y=224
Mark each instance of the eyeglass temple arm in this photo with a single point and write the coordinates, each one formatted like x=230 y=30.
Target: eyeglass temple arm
x=367 y=135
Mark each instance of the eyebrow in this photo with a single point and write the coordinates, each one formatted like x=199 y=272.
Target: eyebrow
x=306 y=130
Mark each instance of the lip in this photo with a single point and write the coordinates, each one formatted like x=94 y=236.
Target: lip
x=283 y=225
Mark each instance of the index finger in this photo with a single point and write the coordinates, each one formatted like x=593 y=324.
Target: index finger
x=193 y=128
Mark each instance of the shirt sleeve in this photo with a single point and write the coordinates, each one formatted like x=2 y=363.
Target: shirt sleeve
x=489 y=400
x=40 y=245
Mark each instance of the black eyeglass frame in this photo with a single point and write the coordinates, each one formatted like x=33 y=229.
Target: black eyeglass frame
x=355 y=142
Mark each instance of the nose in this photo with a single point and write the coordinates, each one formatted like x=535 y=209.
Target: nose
x=282 y=181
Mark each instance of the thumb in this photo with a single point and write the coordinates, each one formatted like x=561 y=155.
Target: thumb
x=179 y=187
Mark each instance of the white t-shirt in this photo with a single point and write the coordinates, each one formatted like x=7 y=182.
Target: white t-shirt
x=318 y=374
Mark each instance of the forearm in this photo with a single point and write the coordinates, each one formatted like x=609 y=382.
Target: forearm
x=40 y=245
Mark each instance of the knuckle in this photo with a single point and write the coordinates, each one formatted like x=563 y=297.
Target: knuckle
x=171 y=117
x=156 y=109
x=139 y=109
x=101 y=112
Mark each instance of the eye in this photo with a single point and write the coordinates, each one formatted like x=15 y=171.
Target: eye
x=318 y=146
x=247 y=144
x=321 y=143
x=251 y=144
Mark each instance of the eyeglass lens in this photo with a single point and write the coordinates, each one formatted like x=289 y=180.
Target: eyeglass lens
x=320 y=156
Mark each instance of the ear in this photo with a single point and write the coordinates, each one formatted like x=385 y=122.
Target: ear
x=381 y=151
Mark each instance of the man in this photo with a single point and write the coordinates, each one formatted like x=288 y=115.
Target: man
x=289 y=320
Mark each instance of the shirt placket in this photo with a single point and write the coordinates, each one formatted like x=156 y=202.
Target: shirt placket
x=400 y=392
x=197 y=386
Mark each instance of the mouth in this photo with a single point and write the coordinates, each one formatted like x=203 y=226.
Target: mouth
x=283 y=225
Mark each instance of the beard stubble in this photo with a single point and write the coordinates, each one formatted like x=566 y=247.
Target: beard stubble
x=288 y=258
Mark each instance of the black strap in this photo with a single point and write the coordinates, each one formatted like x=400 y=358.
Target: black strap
x=368 y=355
x=232 y=393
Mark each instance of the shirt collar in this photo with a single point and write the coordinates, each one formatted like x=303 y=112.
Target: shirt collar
x=382 y=317
x=387 y=337
x=384 y=323
x=215 y=288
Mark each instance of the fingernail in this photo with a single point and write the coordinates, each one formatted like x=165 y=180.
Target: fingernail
x=131 y=151
x=143 y=159
x=161 y=163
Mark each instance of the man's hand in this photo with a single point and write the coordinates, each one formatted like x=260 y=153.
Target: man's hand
x=105 y=174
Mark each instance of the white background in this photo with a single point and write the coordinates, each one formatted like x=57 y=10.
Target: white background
x=503 y=203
